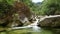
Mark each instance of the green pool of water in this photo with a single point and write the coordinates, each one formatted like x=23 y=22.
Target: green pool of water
x=29 y=31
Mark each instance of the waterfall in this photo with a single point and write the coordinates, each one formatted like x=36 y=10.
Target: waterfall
x=36 y=29
x=34 y=26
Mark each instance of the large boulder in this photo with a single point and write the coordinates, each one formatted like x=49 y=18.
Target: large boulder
x=50 y=22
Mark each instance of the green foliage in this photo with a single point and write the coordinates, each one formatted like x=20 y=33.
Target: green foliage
x=4 y=9
x=27 y=2
x=34 y=7
x=50 y=7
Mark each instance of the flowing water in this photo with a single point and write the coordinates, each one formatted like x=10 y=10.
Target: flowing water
x=33 y=29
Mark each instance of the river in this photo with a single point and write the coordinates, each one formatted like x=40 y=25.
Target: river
x=30 y=31
x=33 y=29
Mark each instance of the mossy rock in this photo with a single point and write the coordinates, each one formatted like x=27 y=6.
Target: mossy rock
x=50 y=22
